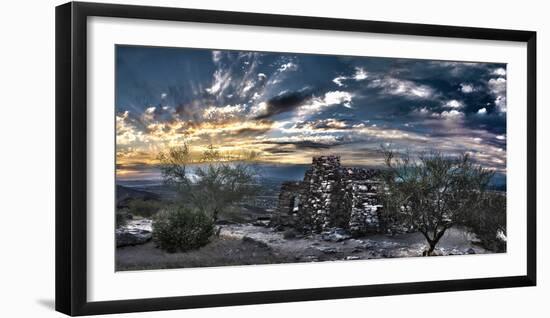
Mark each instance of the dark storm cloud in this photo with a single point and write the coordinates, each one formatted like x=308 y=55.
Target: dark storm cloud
x=325 y=143
x=256 y=131
x=134 y=165
x=396 y=88
x=306 y=144
x=280 y=150
x=285 y=102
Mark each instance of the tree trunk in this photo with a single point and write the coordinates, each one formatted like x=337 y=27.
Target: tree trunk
x=214 y=219
x=431 y=248
x=433 y=242
x=215 y=215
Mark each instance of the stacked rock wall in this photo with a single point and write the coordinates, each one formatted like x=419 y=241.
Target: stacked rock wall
x=288 y=204
x=331 y=196
x=364 y=216
x=320 y=195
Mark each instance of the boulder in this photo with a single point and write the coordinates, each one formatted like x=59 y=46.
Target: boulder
x=134 y=232
x=129 y=237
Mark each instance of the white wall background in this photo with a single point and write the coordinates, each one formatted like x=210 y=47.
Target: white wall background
x=27 y=158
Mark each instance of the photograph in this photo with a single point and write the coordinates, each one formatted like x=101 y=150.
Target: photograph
x=248 y=159
x=231 y=158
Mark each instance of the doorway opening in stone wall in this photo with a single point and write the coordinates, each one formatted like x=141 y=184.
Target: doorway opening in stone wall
x=230 y=157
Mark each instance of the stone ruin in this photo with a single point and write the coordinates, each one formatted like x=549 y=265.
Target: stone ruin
x=331 y=196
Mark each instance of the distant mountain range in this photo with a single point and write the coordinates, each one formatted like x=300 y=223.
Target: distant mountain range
x=125 y=194
x=151 y=177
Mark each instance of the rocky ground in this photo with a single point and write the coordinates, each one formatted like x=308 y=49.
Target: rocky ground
x=243 y=244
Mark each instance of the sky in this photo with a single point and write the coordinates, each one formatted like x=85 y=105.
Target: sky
x=288 y=107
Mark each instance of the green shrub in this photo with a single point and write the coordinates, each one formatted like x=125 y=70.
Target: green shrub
x=144 y=208
x=181 y=229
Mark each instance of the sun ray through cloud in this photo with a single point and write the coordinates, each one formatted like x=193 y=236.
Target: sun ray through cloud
x=289 y=106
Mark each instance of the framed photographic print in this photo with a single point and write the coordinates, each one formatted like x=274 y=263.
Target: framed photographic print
x=208 y=158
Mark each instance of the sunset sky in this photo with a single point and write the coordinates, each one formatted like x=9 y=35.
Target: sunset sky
x=288 y=107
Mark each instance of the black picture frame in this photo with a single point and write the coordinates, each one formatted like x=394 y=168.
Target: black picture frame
x=71 y=157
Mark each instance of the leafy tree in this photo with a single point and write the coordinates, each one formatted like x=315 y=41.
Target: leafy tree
x=433 y=192
x=251 y=155
x=173 y=166
x=220 y=185
x=210 y=154
x=216 y=185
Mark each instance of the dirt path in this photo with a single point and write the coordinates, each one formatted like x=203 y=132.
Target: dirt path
x=244 y=244
x=315 y=248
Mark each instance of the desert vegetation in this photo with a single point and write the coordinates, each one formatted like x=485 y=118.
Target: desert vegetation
x=204 y=192
x=181 y=229
x=432 y=193
x=144 y=208
x=430 y=204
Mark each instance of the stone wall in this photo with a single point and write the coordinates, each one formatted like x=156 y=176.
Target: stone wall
x=321 y=196
x=364 y=216
x=288 y=204
x=331 y=196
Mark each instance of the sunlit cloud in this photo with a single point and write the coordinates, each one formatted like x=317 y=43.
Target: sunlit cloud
x=453 y=103
x=288 y=67
x=360 y=74
x=466 y=88
x=276 y=105
x=499 y=71
x=394 y=86
x=220 y=82
x=332 y=98
x=217 y=114
x=216 y=56
x=497 y=87
x=339 y=80
x=452 y=114
x=126 y=132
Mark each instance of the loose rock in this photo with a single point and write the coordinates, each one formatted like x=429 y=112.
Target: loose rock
x=327 y=250
x=135 y=232
x=336 y=235
x=132 y=237
x=351 y=258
